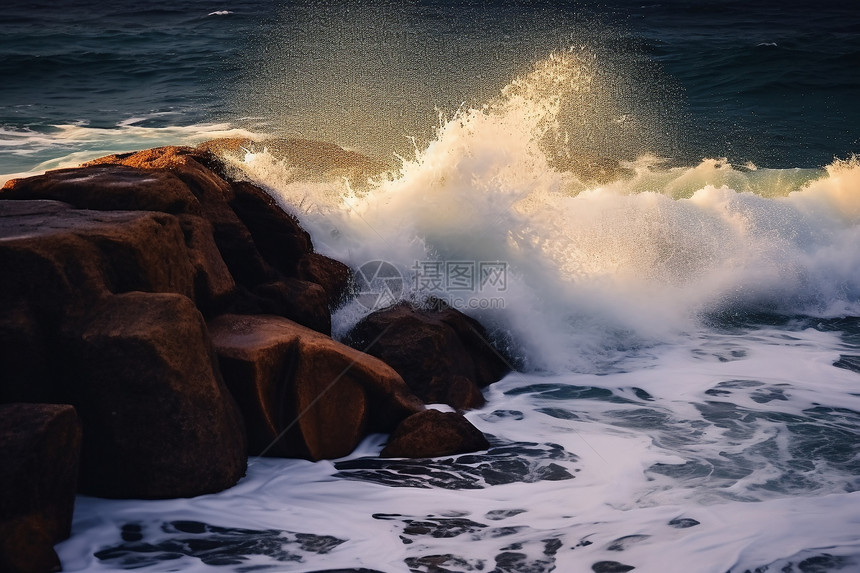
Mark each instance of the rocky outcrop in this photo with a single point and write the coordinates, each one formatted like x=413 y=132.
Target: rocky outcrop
x=59 y=263
x=431 y=434
x=302 y=393
x=237 y=238
x=117 y=278
x=96 y=310
x=40 y=449
x=443 y=355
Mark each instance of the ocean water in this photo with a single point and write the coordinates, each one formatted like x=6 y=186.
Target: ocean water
x=653 y=207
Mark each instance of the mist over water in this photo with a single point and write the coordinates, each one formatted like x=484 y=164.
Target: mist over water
x=601 y=258
x=379 y=83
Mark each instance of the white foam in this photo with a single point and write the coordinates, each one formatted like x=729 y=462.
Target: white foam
x=594 y=267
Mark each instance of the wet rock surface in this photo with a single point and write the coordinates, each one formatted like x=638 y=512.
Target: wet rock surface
x=443 y=355
x=302 y=393
x=432 y=433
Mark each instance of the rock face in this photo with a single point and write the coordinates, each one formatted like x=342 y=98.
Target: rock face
x=40 y=450
x=303 y=394
x=59 y=263
x=431 y=434
x=237 y=238
x=137 y=364
x=158 y=422
x=443 y=355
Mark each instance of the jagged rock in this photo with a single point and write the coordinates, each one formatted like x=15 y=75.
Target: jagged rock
x=334 y=276
x=213 y=195
x=40 y=450
x=158 y=421
x=443 y=355
x=302 y=393
x=277 y=234
x=431 y=433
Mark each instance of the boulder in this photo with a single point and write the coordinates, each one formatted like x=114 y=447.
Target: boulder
x=431 y=433
x=300 y=301
x=158 y=421
x=214 y=286
x=443 y=355
x=59 y=261
x=213 y=194
x=276 y=234
x=197 y=170
x=40 y=449
x=28 y=374
x=257 y=240
x=334 y=276
x=302 y=393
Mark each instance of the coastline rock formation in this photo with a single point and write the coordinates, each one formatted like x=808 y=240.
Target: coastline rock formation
x=183 y=320
x=303 y=394
x=431 y=434
x=444 y=356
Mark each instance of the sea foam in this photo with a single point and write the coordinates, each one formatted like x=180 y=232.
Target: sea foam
x=599 y=259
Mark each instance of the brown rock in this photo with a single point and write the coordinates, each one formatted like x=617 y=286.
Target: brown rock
x=59 y=260
x=334 y=276
x=277 y=235
x=302 y=393
x=27 y=373
x=213 y=284
x=194 y=168
x=443 y=355
x=158 y=421
x=431 y=434
x=108 y=188
x=40 y=449
x=300 y=301
x=213 y=194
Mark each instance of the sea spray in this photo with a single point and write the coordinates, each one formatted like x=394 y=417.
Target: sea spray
x=593 y=269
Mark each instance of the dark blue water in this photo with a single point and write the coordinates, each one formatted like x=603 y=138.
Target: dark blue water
x=774 y=83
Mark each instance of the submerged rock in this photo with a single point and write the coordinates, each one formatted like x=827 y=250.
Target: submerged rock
x=40 y=450
x=443 y=355
x=431 y=434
